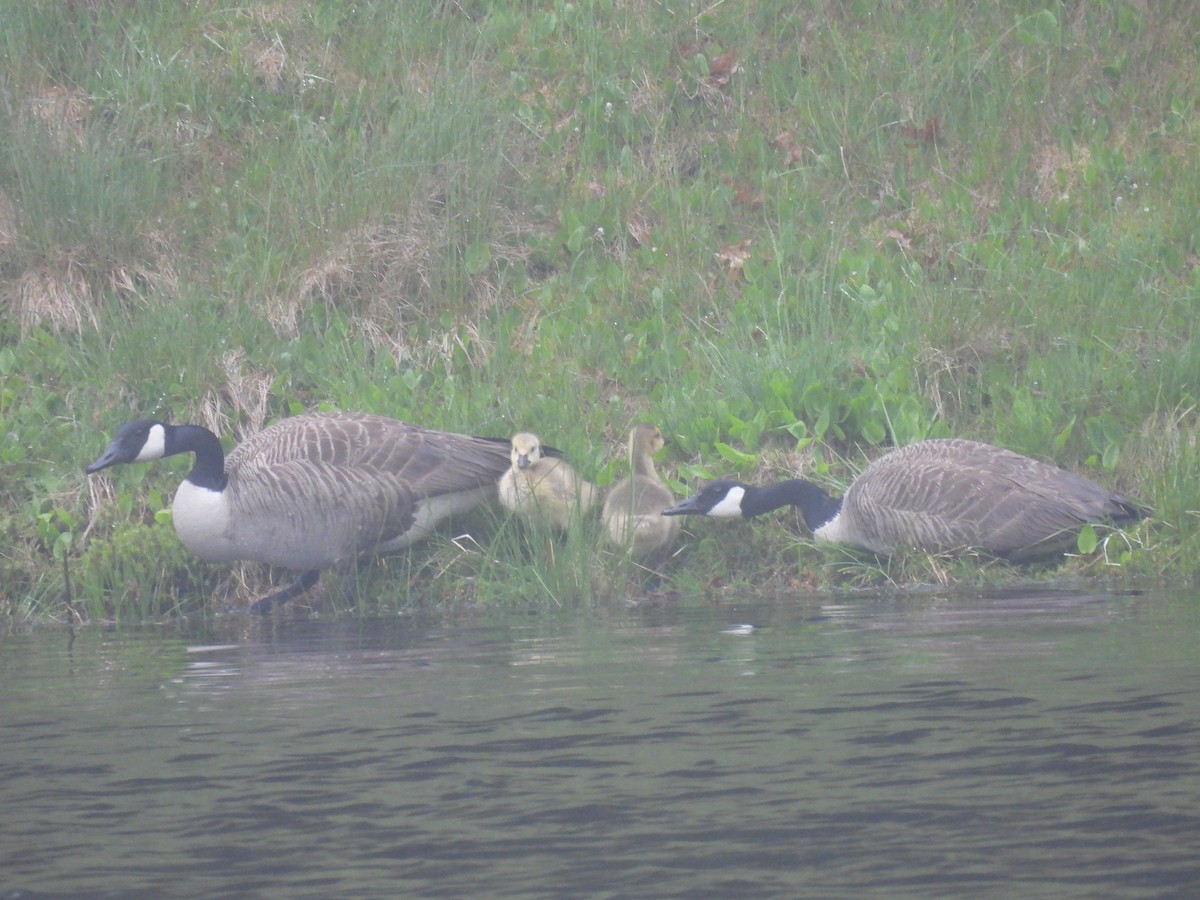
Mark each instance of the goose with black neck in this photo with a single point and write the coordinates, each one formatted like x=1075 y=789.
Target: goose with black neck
x=944 y=495
x=314 y=490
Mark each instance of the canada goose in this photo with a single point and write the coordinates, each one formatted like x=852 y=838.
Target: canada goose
x=633 y=509
x=315 y=489
x=936 y=495
x=542 y=487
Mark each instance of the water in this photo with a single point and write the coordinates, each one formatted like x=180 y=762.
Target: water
x=1037 y=745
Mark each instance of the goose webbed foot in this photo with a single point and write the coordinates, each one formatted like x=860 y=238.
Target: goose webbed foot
x=295 y=589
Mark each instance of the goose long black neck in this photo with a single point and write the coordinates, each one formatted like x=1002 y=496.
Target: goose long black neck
x=209 y=468
x=815 y=504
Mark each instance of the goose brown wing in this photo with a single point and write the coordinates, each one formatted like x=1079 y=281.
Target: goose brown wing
x=1040 y=507
x=302 y=514
x=348 y=483
x=436 y=463
x=921 y=501
x=951 y=494
x=429 y=462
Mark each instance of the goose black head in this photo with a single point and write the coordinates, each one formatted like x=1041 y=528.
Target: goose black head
x=720 y=499
x=138 y=441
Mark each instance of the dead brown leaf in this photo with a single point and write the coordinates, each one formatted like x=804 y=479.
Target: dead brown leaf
x=723 y=67
x=735 y=255
x=786 y=143
x=927 y=133
x=743 y=194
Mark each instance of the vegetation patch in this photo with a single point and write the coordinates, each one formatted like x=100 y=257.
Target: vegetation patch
x=792 y=236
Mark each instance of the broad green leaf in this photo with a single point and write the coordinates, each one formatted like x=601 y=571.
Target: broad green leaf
x=735 y=456
x=479 y=257
x=1087 y=541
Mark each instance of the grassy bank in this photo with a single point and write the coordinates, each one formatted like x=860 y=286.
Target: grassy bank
x=792 y=235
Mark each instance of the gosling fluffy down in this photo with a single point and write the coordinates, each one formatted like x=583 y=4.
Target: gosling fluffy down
x=537 y=487
x=633 y=510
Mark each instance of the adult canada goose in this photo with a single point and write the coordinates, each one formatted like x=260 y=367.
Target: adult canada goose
x=633 y=509
x=936 y=495
x=315 y=489
x=537 y=486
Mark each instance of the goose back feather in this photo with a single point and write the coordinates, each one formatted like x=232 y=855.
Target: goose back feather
x=954 y=494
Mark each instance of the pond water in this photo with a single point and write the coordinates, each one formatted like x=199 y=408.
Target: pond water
x=1039 y=744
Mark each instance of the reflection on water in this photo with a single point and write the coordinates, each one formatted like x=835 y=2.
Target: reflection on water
x=1002 y=746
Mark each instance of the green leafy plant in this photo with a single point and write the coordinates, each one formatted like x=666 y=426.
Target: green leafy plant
x=791 y=241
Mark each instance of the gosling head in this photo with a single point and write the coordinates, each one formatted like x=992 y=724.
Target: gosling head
x=720 y=499
x=526 y=450
x=647 y=439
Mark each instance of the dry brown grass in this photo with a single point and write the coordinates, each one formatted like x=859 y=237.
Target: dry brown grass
x=1057 y=171
x=1164 y=439
x=64 y=287
x=379 y=272
x=8 y=222
x=63 y=111
x=66 y=295
x=60 y=297
x=391 y=274
x=243 y=401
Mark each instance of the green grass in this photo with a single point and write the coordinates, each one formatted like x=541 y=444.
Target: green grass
x=870 y=224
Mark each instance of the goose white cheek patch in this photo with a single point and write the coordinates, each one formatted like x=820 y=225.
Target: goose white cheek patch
x=730 y=506
x=156 y=444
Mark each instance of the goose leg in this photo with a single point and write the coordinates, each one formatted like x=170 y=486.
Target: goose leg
x=299 y=586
